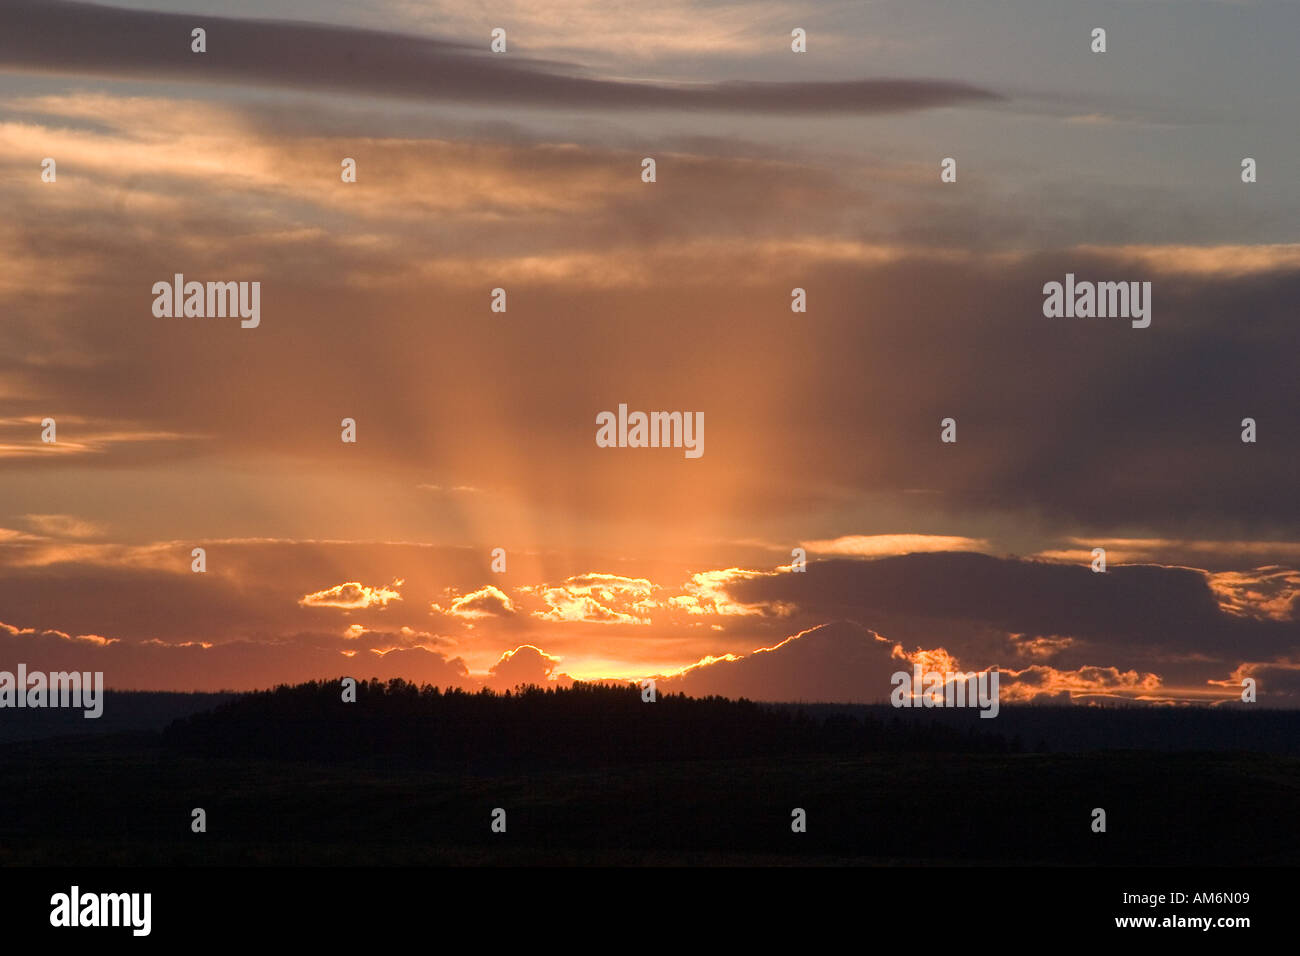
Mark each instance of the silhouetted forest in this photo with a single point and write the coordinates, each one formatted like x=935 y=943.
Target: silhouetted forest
x=593 y=774
x=591 y=724
x=1071 y=728
x=584 y=724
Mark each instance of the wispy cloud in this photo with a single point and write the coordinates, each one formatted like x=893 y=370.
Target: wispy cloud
x=81 y=38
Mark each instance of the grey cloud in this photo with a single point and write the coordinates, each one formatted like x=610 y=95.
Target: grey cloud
x=840 y=662
x=51 y=35
x=1126 y=614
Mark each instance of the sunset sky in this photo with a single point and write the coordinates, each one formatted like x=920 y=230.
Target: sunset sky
x=476 y=429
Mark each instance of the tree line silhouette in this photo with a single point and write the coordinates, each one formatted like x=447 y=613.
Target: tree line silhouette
x=582 y=724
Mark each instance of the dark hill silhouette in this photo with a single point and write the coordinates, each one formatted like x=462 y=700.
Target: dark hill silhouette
x=125 y=711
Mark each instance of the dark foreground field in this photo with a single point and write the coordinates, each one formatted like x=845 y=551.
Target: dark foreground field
x=127 y=800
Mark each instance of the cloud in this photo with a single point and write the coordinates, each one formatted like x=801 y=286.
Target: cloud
x=46 y=635
x=1208 y=554
x=598 y=598
x=670 y=27
x=1277 y=684
x=69 y=37
x=63 y=526
x=847 y=663
x=880 y=544
x=76 y=436
x=1035 y=647
x=1042 y=683
x=840 y=662
x=1227 y=261
x=1128 y=606
x=362 y=638
x=711 y=592
x=526 y=664
x=487 y=601
x=1184 y=625
x=456 y=489
x=1269 y=593
x=564 y=221
x=237 y=665
x=353 y=596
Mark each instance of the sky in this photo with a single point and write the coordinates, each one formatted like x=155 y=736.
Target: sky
x=476 y=429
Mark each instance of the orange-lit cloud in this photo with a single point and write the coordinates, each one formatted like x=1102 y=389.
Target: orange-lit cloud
x=64 y=526
x=75 y=436
x=1040 y=647
x=487 y=601
x=95 y=640
x=525 y=664
x=598 y=598
x=880 y=544
x=708 y=592
x=1217 y=260
x=1040 y=680
x=1268 y=593
x=353 y=596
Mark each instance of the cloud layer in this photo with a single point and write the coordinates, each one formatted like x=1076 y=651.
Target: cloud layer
x=88 y=38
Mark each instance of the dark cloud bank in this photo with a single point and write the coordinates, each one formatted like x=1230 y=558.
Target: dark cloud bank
x=55 y=36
